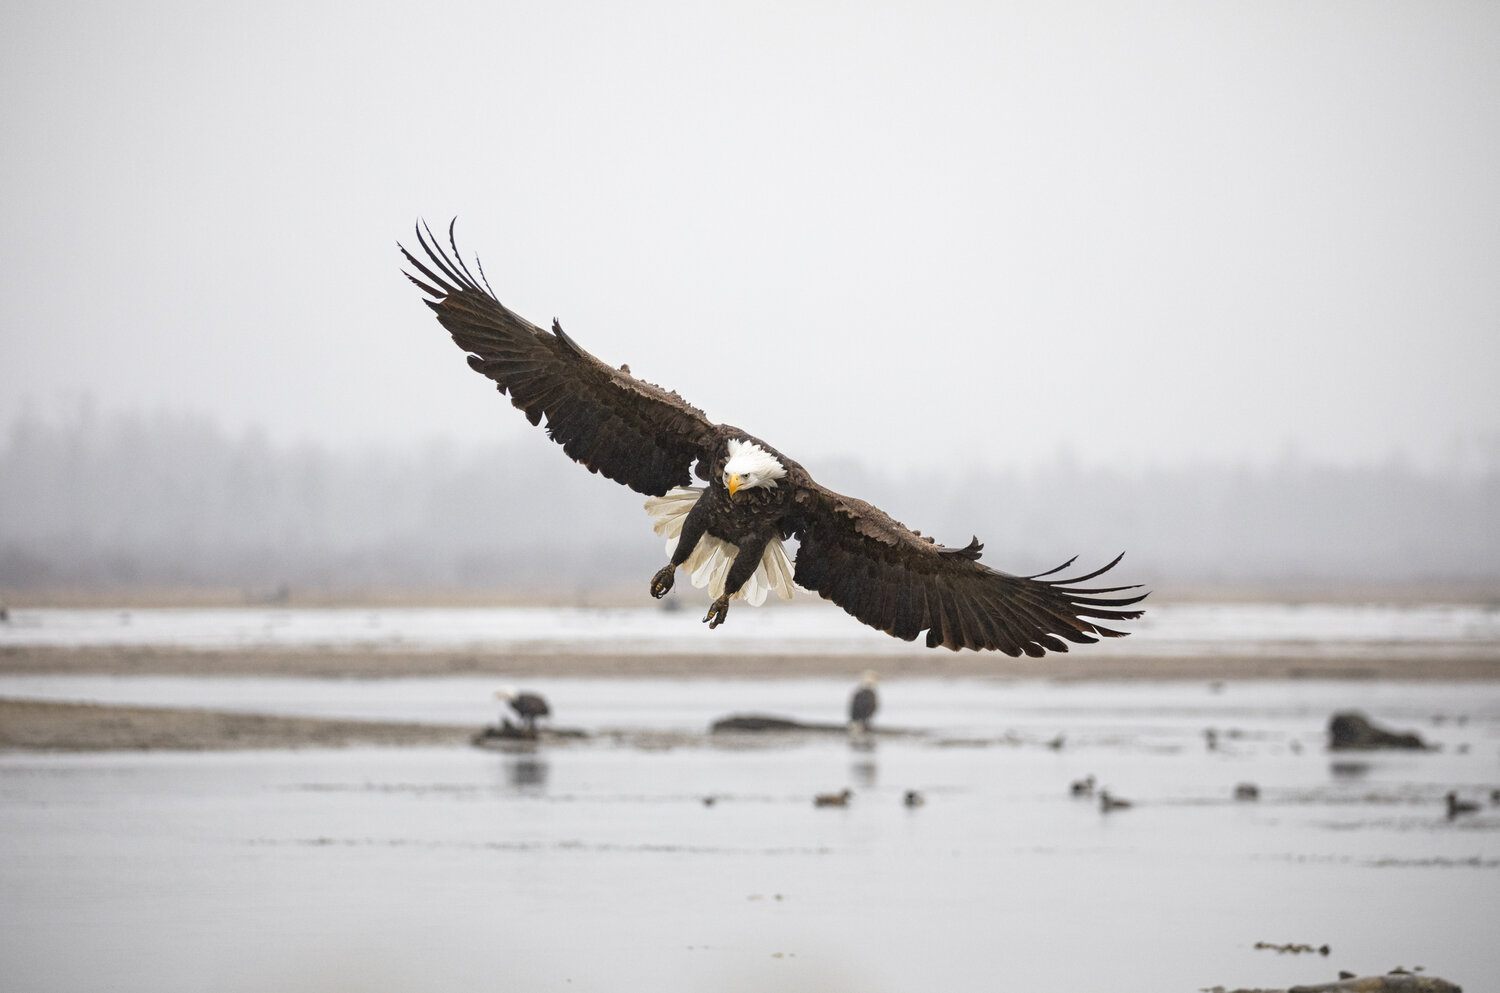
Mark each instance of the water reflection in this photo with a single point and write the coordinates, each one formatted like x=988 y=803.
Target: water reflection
x=864 y=770
x=526 y=772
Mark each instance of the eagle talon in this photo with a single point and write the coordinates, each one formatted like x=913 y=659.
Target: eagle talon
x=717 y=612
x=661 y=583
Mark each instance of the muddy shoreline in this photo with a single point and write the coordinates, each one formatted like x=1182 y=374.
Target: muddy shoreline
x=38 y=725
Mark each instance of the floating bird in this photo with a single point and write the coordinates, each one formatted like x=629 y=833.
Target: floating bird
x=1247 y=791
x=528 y=706
x=864 y=702
x=1108 y=802
x=729 y=535
x=1457 y=806
x=1084 y=786
x=839 y=799
x=913 y=799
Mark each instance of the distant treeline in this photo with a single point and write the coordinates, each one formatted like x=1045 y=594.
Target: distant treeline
x=131 y=501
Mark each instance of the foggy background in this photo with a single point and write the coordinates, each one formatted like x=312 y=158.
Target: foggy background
x=1211 y=283
x=119 y=502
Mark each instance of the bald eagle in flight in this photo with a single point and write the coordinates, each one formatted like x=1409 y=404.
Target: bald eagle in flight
x=729 y=534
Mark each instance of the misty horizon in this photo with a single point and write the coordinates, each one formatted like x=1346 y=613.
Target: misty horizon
x=122 y=501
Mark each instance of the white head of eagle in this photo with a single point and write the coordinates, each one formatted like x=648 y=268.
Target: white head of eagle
x=750 y=466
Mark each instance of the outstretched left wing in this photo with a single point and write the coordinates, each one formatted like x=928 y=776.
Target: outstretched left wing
x=891 y=578
x=629 y=430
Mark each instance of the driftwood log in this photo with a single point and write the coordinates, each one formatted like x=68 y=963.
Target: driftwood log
x=1395 y=982
x=764 y=723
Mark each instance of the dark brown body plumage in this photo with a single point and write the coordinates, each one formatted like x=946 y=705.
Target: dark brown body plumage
x=862 y=706
x=529 y=707
x=849 y=551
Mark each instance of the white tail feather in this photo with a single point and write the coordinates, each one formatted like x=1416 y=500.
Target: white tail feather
x=670 y=510
x=709 y=563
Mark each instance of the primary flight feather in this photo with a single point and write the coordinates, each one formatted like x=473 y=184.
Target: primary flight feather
x=729 y=534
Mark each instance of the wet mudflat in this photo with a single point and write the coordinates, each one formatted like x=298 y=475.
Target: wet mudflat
x=597 y=864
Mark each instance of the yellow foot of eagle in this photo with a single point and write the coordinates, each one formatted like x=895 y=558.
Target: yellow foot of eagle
x=717 y=612
x=661 y=583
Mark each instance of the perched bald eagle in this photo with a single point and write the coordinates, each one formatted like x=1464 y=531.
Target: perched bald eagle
x=863 y=703
x=729 y=534
x=528 y=706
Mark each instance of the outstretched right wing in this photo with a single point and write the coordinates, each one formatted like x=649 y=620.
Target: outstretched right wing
x=626 y=429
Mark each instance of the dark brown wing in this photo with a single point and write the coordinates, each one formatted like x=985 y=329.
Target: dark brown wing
x=628 y=430
x=894 y=579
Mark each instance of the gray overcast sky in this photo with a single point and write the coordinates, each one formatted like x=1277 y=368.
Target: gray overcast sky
x=906 y=233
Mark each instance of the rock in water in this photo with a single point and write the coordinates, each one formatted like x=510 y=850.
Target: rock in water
x=1353 y=730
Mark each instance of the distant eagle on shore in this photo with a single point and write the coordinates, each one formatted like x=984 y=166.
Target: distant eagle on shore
x=729 y=535
x=528 y=706
x=864 y=702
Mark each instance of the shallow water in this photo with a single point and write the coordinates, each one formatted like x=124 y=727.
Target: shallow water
x=597 y=865
x=806 y=628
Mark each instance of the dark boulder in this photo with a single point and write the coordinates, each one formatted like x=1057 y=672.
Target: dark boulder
x=1351 y=730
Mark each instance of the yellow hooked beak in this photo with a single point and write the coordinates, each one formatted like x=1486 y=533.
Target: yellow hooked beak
x=734 y=483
